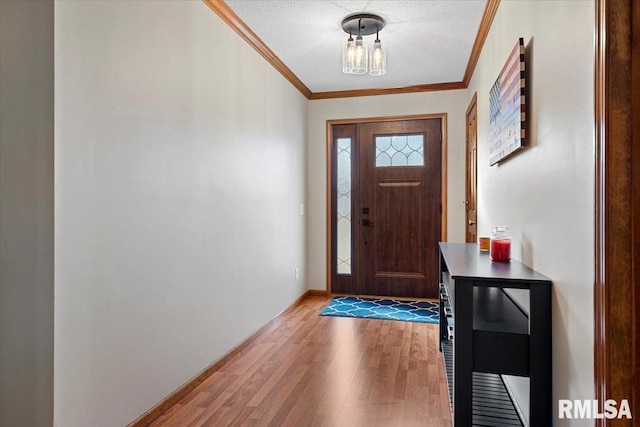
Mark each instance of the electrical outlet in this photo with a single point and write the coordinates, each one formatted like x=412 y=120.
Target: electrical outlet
x=301 y=209
x=297 y=273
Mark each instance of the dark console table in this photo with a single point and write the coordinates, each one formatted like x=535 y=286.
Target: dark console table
x=484 y=333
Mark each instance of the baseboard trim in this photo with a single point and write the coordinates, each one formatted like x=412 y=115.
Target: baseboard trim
x=317 y=293
x=160 y=408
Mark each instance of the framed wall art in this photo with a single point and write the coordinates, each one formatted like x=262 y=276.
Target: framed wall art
x=507 y=112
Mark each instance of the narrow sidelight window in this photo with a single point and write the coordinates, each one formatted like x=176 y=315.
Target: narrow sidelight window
x=343 y=202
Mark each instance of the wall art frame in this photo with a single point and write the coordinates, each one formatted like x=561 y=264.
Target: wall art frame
x=507 y=107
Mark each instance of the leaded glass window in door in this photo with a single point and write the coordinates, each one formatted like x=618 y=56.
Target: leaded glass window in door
x=343 y=202
x=399 y=150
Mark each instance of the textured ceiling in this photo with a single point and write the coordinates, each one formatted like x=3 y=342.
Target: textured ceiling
x=427 y=41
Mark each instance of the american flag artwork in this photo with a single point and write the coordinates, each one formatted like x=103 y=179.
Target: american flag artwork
x=507 y=112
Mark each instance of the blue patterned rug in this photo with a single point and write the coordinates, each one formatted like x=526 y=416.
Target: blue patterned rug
x=389 y=309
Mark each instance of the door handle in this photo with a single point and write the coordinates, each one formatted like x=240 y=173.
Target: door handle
x=367 y=223
x=472 y=222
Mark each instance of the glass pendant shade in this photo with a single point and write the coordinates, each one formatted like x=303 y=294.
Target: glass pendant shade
x=360 y=58
x=348 y=56
x=378 y=60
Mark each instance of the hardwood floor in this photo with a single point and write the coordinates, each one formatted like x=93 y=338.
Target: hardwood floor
x=325 y=371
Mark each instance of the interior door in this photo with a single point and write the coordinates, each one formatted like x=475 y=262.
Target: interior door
x=386 y=208
x=472 y=173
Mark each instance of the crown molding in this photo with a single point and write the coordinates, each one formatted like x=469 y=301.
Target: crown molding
x=389 y=91
x=481 y=36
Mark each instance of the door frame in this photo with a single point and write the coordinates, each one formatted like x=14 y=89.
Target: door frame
x=617 y=190
x=330 y=165
x=473 y=106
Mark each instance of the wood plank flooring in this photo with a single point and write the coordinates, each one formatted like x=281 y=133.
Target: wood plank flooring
x=325 y=371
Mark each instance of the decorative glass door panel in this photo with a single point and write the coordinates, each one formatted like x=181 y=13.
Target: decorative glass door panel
x=399 y=150
x=343 y=202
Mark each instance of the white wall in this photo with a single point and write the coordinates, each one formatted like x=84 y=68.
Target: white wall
x=179 y=170
x=545 y=193
x=454 y=103
x=26 y=213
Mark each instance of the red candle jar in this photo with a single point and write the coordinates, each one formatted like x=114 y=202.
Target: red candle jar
x=500 y=244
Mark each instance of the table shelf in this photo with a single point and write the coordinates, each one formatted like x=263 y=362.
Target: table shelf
x=494 y=311
x=491 y=405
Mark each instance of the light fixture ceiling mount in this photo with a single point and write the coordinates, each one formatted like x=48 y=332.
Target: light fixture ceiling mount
x=355 y=57
x=363 y=24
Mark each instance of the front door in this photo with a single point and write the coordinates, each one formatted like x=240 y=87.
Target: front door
x=387 y=216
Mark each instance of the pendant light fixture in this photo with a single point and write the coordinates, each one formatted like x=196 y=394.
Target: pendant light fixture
x=355 y=55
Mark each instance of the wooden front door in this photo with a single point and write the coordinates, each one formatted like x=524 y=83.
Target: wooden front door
x=472 y=173
x=394 y=208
